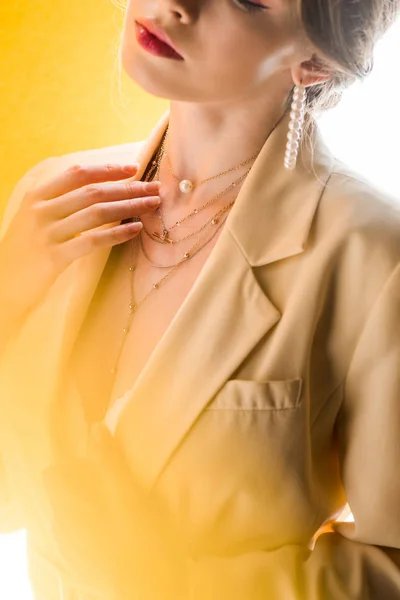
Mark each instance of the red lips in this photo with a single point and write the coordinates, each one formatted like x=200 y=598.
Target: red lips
x=157 y=32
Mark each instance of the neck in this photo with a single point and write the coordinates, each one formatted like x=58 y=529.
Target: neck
x=205 y=140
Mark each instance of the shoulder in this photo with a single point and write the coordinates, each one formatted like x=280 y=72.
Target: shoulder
x=356 y=236
x=104 y=153
x=359 y=213
x=123 y=153
x=361 y=193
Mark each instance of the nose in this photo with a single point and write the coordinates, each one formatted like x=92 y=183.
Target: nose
x=181 y=10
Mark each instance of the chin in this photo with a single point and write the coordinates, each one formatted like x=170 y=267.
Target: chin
x=159 y=77
x=144 y=71
x=155 y=80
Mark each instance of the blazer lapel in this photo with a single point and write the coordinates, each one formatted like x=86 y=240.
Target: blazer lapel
x=224 y=315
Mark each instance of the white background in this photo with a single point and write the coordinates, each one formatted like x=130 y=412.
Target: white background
x=363 y=131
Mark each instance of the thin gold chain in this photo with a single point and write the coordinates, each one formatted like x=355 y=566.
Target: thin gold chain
x=154 y=169
x=133 y=306
x=165 y=229
x=192 y=252
x=214 y=222
x=189 y=254
x=242 y=164
x=162 y=240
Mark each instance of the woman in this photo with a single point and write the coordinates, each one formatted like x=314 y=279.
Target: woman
x=185 y=414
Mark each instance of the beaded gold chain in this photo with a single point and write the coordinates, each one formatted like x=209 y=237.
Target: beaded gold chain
x=133 y=306
x=163 y=238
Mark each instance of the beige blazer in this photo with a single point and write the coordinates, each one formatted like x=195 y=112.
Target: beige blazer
x=272 y=399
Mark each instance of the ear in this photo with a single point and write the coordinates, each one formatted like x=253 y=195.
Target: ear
x=311 y=72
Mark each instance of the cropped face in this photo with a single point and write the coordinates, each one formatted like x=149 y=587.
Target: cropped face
x=228 y=49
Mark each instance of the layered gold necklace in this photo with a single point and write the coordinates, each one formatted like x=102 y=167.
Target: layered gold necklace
x=164 y=237
x=214 y=223
x=186 y=185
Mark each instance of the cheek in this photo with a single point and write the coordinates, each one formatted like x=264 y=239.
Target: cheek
x=274 y=62
x=251 y=56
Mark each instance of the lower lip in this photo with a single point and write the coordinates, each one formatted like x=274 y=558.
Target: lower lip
x=153 y=45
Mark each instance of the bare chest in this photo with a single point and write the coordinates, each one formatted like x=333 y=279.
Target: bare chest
x=101 y=338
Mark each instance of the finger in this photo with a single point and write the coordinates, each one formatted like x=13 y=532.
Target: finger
x=92 y=194
x=78 y=175
x=100 y=214
x=90 y=241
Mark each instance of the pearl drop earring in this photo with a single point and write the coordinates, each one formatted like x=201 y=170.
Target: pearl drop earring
x=295 y=125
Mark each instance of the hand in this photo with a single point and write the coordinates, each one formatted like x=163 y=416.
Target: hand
x=44 y=236
x=116 y=541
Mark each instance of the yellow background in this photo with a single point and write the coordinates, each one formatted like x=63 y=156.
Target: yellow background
x=59 y=84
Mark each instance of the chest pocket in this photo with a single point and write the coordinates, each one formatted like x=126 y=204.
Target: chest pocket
x=246 y=395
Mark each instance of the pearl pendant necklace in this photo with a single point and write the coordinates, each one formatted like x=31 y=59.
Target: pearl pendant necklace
x=186 y=186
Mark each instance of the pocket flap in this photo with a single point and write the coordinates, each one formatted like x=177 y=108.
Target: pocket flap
x=241 y=394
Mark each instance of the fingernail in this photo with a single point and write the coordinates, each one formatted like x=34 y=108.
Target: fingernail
x=130 y=168
x=153 y=186
x=155 y=201
x=136 y=225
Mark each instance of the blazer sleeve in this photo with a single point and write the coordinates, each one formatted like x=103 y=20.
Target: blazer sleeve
x=25 y=183
x=10 y=514
x=360 y=560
